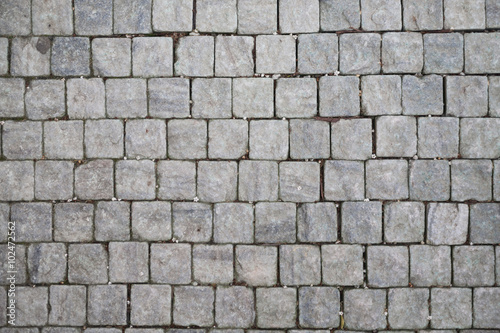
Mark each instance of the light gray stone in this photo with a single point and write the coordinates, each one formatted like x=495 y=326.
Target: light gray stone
x=176 y=180
x=193 y=306
x=299 y=181
x=275 y=54
x=423 y=15
x=30 y=56
x=276 y=307
x=275 y=222
x=94 y=180
x=258 y=181
x=131 y=16
x=471 y=180
x=387 y=266
x=451 y=308
x=300 y=265
x=54 y=180
x=339 y=15
x=443 y=53
x=296 y=97
x=319 y=307
x=234 y=307
x=404 y=222
x=423 y=95
x=15 y=17
x=18 y=180
x=253 y=97
x=387 y=179
x=192 y=221
x=63 y=139
x=126 y=98
x=107 y=305
x=68 y=305
x=152 y=56
x=447 y=223
x=317 y=53
x=364 y=309
x=52 y=17
x=22 y=140
x=169 y=97
x=408 y=308
x=233 y=56
x=342 y=264
x=381 y=15
x=344 y=180
x=486 y=312
x=494 y=96
x=484 y=228
x=429 y=180
x=4 y=219
x=146 y=138
x=70 y=56
x=496 y=181
x=89 y=21
x=151 y=221
x=352 y=139
x=298 y=16
x=381 y=95
x=402 y=52
x=473 y=266
x=309 y=139
x=466 y=96
x=87 y=264
x=233 y=223
x=86 y=98
x=112 y=221
x=360 y=53
x=216 y=16
x=257 y=16
x=73 y=222
x=317 y=222
x=430 y=265
x=217 y=181
x=195 y=56
x=269 y=139
x=213 y=264
x=464 y=14
x=227 y=139
x=20 y=266
x=171 y=263
x=187 y=139
x=492 y=14
x=104 y=138
x=128 y=262
x=47 y=263
x=438 y=137
x=362 y=222
x=11 y=98
x=172 y=15
x=256 y=265
x=211 y=98
x=31 y=306
x=339 y=96
x=111 y=56
x=45 y=99
x=135 y=180
x=151 y=305
x=33 y=221
x=480 y=138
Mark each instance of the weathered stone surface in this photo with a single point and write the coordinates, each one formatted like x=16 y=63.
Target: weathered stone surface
x=342 y=264
x=33 y=221
x=211 y=98
x=256 y=265
x=172 y=15
x=152 y=56
x=275 y=54
x=276 y=307
x=492 y=14
x=45 y=99
x=63 y=139
x=86 y=98
x=11 y=98
x=47 y=263
x=299 y=181
x=319 y=307
x=354 y=61
x=30 y=56
x=494 y=96
x=430 y=265
x=480 y=138
x=54 y=180
x=227 y=139
x=187 y=139
x=317 y=53
x=317 y=222
x=169 y=97
x=352 y=139
x=381 y=95
x=466 y=96
x=408 y=308
x=300 y=265
x=112 y=221
x=258 y=181
x=216 y=16
x=275 y=222
x=111 y=56
x=309 y=139
x=93 y=17
x=135 y=180
x=70 y=56
x=484 y=228
x=233 y=56
x=364 y=309
x=4 y=219
x=396 y=136
x=339 y=15
x=217 y=181
x=234 y=307
x=233 y=223
x=253 y=97
x=193 y=306
x=176 y=180
x=402 y=52
x=464 y=14
x=296 y=97
x=94 y=180
x=107 y=305
x=404 y=222
x=131 y=16
x=443 y=53
x=486 y=312
x=104 y=138
x=496 y=181
x=4 y=55
x=68 y=305
x=339 y=96
x=151 y=221
x=128 y=262
x=146 y=138
x=15 y=17
x=298 y=16
x=423 y=15
x=87 y=264
x=126 y=98
x=171 y=263
x=150 y=305
x=438 y=137
x=18 y=181
x=73 y=222
x=20 y=266
x=447 y=223
x=362 y=222
x=195 y=56
x=473 y=266
x=22 y=140
x=32 y=306
x=471 y=180
x=387 y=179
x=213 y=264
x=429 y=180
x=344 y=180
x=451 y=308
x=269 y=139
x=52 y=17
x=257 y=16
x=381 y=15
x=423 y=96
x=387 y=266
x=192 y=221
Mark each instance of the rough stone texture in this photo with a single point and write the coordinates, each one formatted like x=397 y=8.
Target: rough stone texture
x=473 y=266
x=430 y=265
x=464 y=14
x=318 y=307
x=253 y=97
x=152 y=56
x=451 y=308
x=4 y=55
x=443 y=53
x=213 y=264
x=256 y=265
x=342 y=264
x=494 y=97
x=408 y=308
x=492 y=14
x=172 y=15
x=187 y=139
x=45 y=99
x=387 y=179
x=381 y=15
x=32 y=306
x=423 y=15
x=275 y=54
x=300 y=265
x=466 y=96
x=104 y=138
x=112 y=221
x=344 y=180
x=195 y=56
x=11 y=98
x=87 y=264
x=52 y=17
x=171 y=263
x=211 y=98
x=150 y=305
x=309 y=139
x=234 y=307
x=471 y=180
x=276 y=307
x=128 y=262
x=362 y=222
x=216 y=16
x=131 y=16
x=107 y=305
x=396 y=136
x=299 y=181
x=269 y=139
x=339 y=96
x=387 y=266
x=339 y=15
x=146 y=138
x=484 y=226
x=296 y=98
x=111 y=56
x=352 y=139
x=126 y=98
x=15 y=17
x=176 y=180
x=480 y=138
x=447 y=223
x=233 y=56
x=89 y=21
x=94 y=180
x=30 y=56
x=63 y=139
x=298 y=16
x=73 y=222
x=18 y=181
x=354 y=61
x=34 y=221
x=364 y=309
x=54 y=180
x=317 y=53
x=217 y=181
x=22 y=140
x=193 y=306
x=257 y=16
x=423 y=96
x=429 y=180
x=21 y=265
x=151 y=221
x=70 y=56
x=402 y=52
x=404 y=222
x=168 y=97
x=192 y=222
x=317 y=222
x=68 y=305
x=233 y=223
x=135 y=180
x=47 y=263
x=438 y=137
x=381 y=95
x=275 y=222
x=227 y=139
x=86 y=98
x=486 y=313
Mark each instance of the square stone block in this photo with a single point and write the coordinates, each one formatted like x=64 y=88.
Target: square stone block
x=87 y=264
x=176 y=180
x=68 y=305
x=454 y=14
x=151 y=305
x=151 y=221
x=86 y=98
x=342 y=264
x=227 y=139
x=22 y=140
x=211 y=98
x=187 y=139
x=364 y=309
x=193 y=306
x=172 y=15
x=73 y=222
x=132 y=16
x=47 y=263
x=21 y=264
x=216 y=16
x=362 y=222
x=423 y=96
x=146 y=138
x=429 y=180
x=352 y=139
x=126 y=98
x=408 y=308
x=70 y=56
x=422 y=15
x=18 y=180
x=381 y=15
x=317 y=222
x=45 y=99
x=52 y=17
x=275 y=222
x=480 y=138
x=258 y=181
x=12 y=97
x=381 y=95
x=466 y=96
x=217 y=181
x=339 y=15
x=298 y=16
x=233 y=223
x=112 y=221
x=31 y=306
x=88 y=21
x=104 y=138
x=447 y=223
x=344 y=180
x=317 y=53
x=319 y=307
x=296 y=97
x=471 y=180
x=484 y=223
x=339 y=96
x=473 y=266
x=30 y=56
x=171 y=263
x=152 y=56
x=486 y=312
x=54 y=180
x=494 y=96
x=63 y=139
x=451 y=308
x=300 y=265
x=387 y=266
x=128 y=262
x=443 y=53
x=299 y=181
x=253 y=97
x=275 y=54
x=479 y=52
x=107 y=305
x=192 y=221
x=33 y=221
x=169 y=97
x=213 y=264
x=404 y=222
x=233 y=56
x=430 y=265
x=438 y=137
x=352 y=61
x=234 y=307
x=396 y=136
x=276 y=307
x=257 y=16
x=269 y=139
x=195 y=56
x=135 y=180
x=256 y=265
x=402 y=52
x=309 y=139
x=387 y=179
x=17 y=19
x=94 y=180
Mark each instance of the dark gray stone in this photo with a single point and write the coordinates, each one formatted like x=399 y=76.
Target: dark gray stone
x=47 y=263
x=70 y=56
x=362 y=222
x=276 y=307
x=33 y=221
x=87 y=264
x=319 y=307
x=89 y=21
x=131 y=16
x=31 y=306
x=107 y=305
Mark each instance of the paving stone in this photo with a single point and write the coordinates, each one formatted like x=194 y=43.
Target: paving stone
x=381 y=15
x=408 y=308
x=447 y=223
x=256 y=265
x=455 y=17
x=402 y=52
x=381 y=95
x=70 y=56
x=317 y=222
x=319 y=307
x=438 y=137
x=107 y=305
x=257 y=16
x=168 y=98
x=404 y=222
x=430 y=265
x=73 y=222
x=275 y=222
x=484 y=226
x=176 y=180
x=387 y=266
x=190 y=330
x=354 y=61
x=151 y=305
x=269 y=139
x=443 y=53
x=68 y=305
x=344 y=180
x=195 y=56
x=258 y=181
x=396 y=136
x=496 y=181
x=317 y=53
x=4 y=219
x=111 y=56
x=233 y=56
x=300 y=265
x=86 y=98
x=217 y=181
x=151 y=221
x=45 y=99
x=53 y=17
x=339 y=96
x=423 y=15
x=22 y=140
x=63 y=139
x=253 y=97
x=112 y=221
x=11 y=98
x=480 y=138
x=152 y=56
x=93 y=17
x=3 y=307
x=296 y=97
x=486 y=312
x=60 y=330
x=362 y=222
x=352 y=139
x=172 y=15
x=342 y=265
x=4 y=55
x=364 y=309
x=429 y=180
x=466 y=96
x=87 y=264
x=146 y=138
x=104 y=138
x=339 y=15
x=131 y=17
x=54 y=180
x=492 y=14
x=299 y=181
x=387 y=179
x=126 y=98
x=471 y=180
x=309 y=139
x=193 y=306
x=94 y=180
x=102 y=330
x=227 y=139
x=15 y=17
x=171 y=263
x=233 y=223
x=187 y=139
x=451 y=308
x=30 y=56
x=234 y=307
x=473 y=266
x=211 y=98
x=20 y=265
x=494 y=96
x=423 y=95
x=216 y=16
x=31 y=306
x=128 y=262
x=18 y=181
x=298 y=16
x=275 y=54
x=135 y=180
x=213 y=264
x=47 y=262
x=276 y=307
x=192 y=221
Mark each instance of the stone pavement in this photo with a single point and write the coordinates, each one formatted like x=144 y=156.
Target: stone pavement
x=250 y=166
